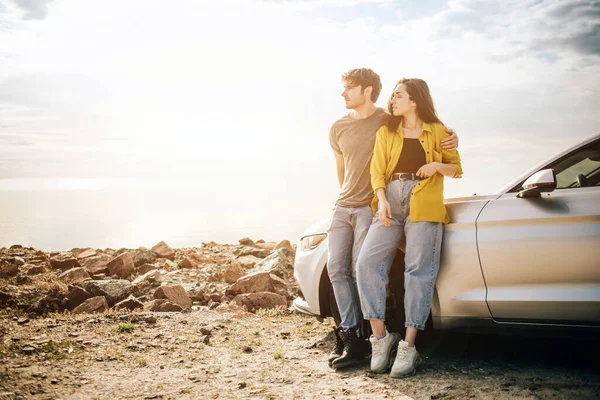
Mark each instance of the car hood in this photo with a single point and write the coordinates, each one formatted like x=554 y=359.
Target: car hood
x=320 y=226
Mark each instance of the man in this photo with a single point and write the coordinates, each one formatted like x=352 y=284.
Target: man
x=352 y=139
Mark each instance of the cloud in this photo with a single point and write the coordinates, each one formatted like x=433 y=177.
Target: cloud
x=545 y=29
x=329 y=2
x=34 y=9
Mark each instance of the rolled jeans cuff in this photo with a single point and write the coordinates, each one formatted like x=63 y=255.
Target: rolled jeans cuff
x=420 y=327
x=381 y=317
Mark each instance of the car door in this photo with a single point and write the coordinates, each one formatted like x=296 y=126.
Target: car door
x=540 y=256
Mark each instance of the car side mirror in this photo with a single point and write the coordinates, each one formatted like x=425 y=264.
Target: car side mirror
x=541 y=181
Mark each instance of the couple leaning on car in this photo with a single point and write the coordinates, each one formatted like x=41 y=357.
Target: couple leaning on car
x=394 y=163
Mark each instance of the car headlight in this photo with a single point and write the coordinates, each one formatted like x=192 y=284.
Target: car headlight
x=312 y=241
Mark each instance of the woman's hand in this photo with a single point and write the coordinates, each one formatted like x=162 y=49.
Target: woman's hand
x=428 y=170
x=385 y=211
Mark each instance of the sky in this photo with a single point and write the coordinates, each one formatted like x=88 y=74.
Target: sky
x=234 y=98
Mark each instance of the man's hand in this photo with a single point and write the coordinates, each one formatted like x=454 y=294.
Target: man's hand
x=451 y=142
x=427 y=170
x=385 y=211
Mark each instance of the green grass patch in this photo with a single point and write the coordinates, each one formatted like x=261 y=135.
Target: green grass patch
x=125 y=328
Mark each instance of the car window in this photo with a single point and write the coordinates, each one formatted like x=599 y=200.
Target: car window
x=580 y=169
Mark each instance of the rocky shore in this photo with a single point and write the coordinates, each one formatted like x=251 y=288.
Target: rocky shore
x=250 y=275
x=213 y=322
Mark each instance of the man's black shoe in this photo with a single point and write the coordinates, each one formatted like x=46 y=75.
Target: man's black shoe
x=338 y=348
x=354 y=350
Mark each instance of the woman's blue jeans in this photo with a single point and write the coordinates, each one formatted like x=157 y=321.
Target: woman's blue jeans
x=422 y=259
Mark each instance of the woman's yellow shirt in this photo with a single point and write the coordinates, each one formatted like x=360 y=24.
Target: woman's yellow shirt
x=427 y=199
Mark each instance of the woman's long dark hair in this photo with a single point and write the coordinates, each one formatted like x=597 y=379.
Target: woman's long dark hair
x=418 y=92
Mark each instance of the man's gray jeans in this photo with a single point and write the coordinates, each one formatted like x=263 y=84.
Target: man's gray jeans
x=346 y=235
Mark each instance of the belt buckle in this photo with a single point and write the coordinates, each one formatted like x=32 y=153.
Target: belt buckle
x=406 y=176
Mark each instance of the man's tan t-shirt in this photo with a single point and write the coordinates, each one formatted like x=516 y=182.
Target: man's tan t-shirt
x=354 y=139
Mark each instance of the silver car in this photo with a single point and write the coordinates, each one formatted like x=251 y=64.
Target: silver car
x=526 y=256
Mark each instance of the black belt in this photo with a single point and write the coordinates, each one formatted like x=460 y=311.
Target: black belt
x=406 y=176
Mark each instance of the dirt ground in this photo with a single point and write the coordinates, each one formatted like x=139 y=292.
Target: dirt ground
x=276 y=354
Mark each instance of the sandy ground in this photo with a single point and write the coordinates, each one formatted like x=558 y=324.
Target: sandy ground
x=278 y=354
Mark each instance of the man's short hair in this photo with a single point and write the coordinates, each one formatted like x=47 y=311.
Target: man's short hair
x=364 y=77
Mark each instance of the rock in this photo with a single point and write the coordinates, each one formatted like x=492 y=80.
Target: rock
x=162 y=305
x=187 y=263
x=83 y=253
x=166 y=264
x=233 y=272
x=145 y=282
x=152 y=277
x=284 y=244
x=29 y=349
x=93 y=305
x=76 y=296
x=280 y=263
x=206 y=330
x=36 y=270
x=122 y=250
x=6 y=295
x=163 y=250
x=200 y=258
x=207 y=291
x=266 y=245
x=174 y=293
x=114 y=290
x=95 y=265
x=143 y=256
x=15 y=246
x=8 y=269
x=146 y=268
x=235 y=289
x=214 y=277
x=50 y=302
x=251 y=251
x=18 y=261
x=256 y=301
x=76 y=275
x=262 y=282
x=122 y=265
x=247 y=349
x=130 y=303
x=246 y=241
x=22 y=280
x=64 y=262
x=248 y=262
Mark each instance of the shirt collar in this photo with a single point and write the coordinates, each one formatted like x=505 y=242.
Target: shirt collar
x=426 y=126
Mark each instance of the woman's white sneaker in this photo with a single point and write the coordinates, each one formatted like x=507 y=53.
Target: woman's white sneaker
x=381 y=351
x=406 y=361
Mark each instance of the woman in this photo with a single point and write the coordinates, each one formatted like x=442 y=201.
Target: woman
x=407 y=175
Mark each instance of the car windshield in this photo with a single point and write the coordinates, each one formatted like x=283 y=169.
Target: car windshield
x=581 y=169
